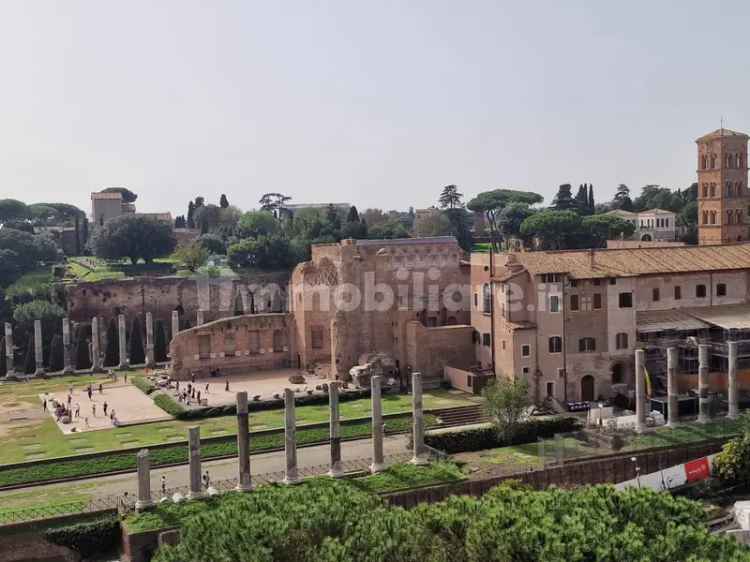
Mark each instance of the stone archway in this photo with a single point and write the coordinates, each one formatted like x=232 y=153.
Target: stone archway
x=646 y=238
x=587 y=388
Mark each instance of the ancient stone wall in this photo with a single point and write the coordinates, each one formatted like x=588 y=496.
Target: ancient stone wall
x=432 y=349
x=236 y=344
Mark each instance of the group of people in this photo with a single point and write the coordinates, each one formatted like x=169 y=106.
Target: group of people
x=66 y=412
x=190 y=393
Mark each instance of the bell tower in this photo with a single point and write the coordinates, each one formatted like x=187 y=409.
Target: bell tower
x=723 y=194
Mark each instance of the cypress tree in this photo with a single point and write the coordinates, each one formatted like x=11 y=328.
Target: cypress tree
x=112 y=353
x=160 y=342
x=56 y=359
x=592 y=205
x=137 y=354
x=223 y=201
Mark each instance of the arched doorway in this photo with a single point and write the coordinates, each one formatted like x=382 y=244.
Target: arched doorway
x=646 y=238
x=587 y=388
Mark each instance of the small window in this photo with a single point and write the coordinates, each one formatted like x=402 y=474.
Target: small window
x=502 y=343
x=486 y=340
x=555 y=344
x=573 y=302
x=597 y=300
x=586 y=345
x=597 y=282
x=677 y=292
x=621 y=340
x=626 y=300
x=700 y=291
x=476 y=300
x=525 y=350
x=655 y=294
x=574 y=283
x=721 y=290
x=613 y=281
x=525 y=370
x=486 y=298
x=554 y=303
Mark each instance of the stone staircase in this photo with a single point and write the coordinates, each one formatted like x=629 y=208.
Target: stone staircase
x=462 y=415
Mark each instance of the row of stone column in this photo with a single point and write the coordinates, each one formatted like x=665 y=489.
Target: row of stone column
x=291 y=472
x=96 y=358
x=704 y=402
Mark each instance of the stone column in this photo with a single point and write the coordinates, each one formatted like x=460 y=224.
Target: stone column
x=417 y=419
x=704 y=354
x=640 y=391
x=150 y=362
x=199 y=321
x=9 y=350
x=378 y=462
x=67 y=356
x=175 y=323
x=38 y=350
x=144 y=481
x=123 y=343
x=244 y=483
x=96 y=358
x=290 y=438
x=673 y=403
x=335 y=429
x=732 y=381
x=194 y=456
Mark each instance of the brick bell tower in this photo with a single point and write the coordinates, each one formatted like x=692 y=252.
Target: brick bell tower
x=723 y=194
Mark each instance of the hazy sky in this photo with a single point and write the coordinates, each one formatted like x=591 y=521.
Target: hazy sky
x=375 y=103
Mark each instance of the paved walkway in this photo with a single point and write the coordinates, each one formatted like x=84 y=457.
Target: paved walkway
x=265 y=467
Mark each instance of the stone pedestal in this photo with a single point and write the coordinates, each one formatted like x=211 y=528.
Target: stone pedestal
x=733 y=412
x=335 y=429
x=96 y=358
x=67 y=355
x=378 y=460
x=175 y=323
x=9 y=351
x=290 y=438
x=640 y=391
x=704 y=403
x=244 y=483
x=194 y=456
x=150 y=362
x=420 y=454
x=144 y=481
x=199 y=319
x=38 y=350
x=123 y=342
x=673 y=403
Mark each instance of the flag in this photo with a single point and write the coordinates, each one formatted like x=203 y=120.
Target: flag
x=647 y=377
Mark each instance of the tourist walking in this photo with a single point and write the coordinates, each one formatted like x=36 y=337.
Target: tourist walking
x=206 y=388
x=78 y=409
x=89 y=391
x=226 y=386
x=93 y=409
x=101 y=388
x=44 y=404
x=206 y=480
x=163 y=486
x=105 y=407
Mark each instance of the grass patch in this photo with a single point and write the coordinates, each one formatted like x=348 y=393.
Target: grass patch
x=404 y=476
x=168 y=404
x=34 y=283
x=686 y=433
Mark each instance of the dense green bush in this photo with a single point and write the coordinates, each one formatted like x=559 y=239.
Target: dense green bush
x=143 y=384
x=89 y=538
x=488 y=437
x=326 y=520
x=169 y=405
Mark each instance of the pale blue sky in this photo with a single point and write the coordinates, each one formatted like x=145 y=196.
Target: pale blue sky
x=375 y=103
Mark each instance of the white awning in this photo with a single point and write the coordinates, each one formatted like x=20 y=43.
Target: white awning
x=726 y=316
x=651 y=321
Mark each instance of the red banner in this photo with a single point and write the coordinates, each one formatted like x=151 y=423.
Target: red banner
x=697 y=470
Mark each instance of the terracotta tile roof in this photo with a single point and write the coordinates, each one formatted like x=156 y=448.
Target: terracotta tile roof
x=721 y=133
x=631 y=262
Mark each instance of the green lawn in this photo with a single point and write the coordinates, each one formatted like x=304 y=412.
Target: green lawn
x=37 y=282
x=42 y=439
x=45 y=502
x=88 y=268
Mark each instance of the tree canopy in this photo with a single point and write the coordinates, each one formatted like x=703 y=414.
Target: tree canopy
x=491 y=204
x=134 y=237
x=127 y=195
x=12 y=209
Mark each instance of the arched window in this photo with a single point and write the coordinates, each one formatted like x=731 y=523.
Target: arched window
x=486 y=298
x=705 y=217
x=730 y=214
x=705 y=190
x=729 y=188
x=728 y=160
x=712 y=190
x=555 y=344
x=713 y=161
x=740 y=219
x=712 y=217
x=740 y=161
x=704 y=162
x=621 y=340
x=586 y=345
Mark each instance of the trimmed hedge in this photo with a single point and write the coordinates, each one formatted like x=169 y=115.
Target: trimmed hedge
x=482 y=438
x=169 y=405
x=255 y=406
x=143 y=384
x=89 y=538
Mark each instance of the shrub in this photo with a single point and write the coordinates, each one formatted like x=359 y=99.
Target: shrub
x=488 y=438
x=143 y=384
x=89 y=538
x=169 y=405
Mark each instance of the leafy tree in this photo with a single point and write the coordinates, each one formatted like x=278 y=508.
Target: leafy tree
x=555 y=229
x=192 y=255
x=507 y=402
x=43 y=214
x=127 y=195
x=352 y=215
x=137 y=353
x=390 y=229
x=450 y=198
x=461 y=223
x=200 y=201
x=213 y=244
x=582 y=198
x=491 y=204
x=223 y=201
x=206 y=217
x=657 y=197
x=22 y=225
x=12 y=209
x=274 y=202
x=134 y=237
x=592 y=205
x=160 y=342
x=180 y=222
x=258 y=223
x=622 y=198
x=37 y=310
x=333 y=219
x=601 y=228
x=433 y=223
x=563 y=200
x=190 y=215
x=511 y=218
x=354 y=227
x=265 y=253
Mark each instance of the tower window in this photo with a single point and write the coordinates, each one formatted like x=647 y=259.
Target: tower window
x=700 y=291
x=677 y=292
x=712 y=190
x=597 y=300
x=626 y=300
x=573 y=302
x=730 y=214
x=721 y=290
x=712 y=217
x=655 y=294
x=705 y=190
x=705 y=217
